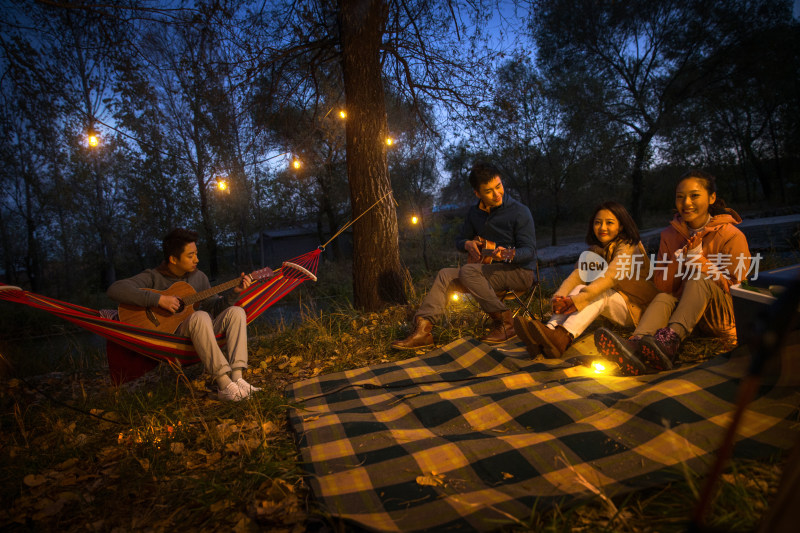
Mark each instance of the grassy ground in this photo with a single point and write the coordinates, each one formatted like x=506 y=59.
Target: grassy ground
x=162 y=453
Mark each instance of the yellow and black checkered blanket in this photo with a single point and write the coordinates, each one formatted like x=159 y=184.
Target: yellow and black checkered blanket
x=468 y=436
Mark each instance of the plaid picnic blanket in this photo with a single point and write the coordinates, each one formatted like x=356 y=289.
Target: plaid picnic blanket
x=468 y=437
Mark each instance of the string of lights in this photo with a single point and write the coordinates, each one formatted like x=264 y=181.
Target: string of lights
x=221 y=181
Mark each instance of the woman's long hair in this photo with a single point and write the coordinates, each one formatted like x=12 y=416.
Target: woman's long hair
x=628 y=230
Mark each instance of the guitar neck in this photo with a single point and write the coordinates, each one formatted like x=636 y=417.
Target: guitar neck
x=202 y=295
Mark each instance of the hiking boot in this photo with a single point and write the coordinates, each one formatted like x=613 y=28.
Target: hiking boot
x=419 y=338
x=523 y=326
x=660 y=350
x=621 y=351
x=502 y=328
x=554 y=342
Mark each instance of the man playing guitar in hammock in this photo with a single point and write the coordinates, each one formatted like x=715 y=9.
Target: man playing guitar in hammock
x=500 y=240
x=180 y=265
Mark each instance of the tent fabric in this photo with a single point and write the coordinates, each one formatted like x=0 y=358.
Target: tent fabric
x=126 y=343
x=467 y=436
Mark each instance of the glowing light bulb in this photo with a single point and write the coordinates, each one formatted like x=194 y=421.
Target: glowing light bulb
x=599 y=368
x=296 y=164
x=454 y=296
x=93 y=140
x=222 y=185
x=389 y=141
x=342 y=114
x=414 y=219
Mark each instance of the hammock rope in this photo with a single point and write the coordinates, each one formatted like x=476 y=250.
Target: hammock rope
x=158 y=346
x=343 y=228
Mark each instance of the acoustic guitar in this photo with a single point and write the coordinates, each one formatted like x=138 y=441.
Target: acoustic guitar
x=488 y=250
x=159 y=319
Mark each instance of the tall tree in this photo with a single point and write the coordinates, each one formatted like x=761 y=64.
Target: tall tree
x=362 y=25
x=406 y=45
x=59 y=80
x=633 y=62
x=748 y=117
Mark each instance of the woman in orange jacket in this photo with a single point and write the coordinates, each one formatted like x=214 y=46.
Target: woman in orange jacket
x=700 y=256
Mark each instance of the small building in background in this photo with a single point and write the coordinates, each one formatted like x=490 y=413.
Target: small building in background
x=271 y=247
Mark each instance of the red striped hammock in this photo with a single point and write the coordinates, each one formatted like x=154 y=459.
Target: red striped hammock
x=126 y=344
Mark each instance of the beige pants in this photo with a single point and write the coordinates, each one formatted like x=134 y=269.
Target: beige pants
x=702 y=301
x=481 y=281
x=203 y=330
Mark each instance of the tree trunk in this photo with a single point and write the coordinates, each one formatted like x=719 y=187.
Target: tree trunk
x=329 y=212
x=205 y=210
x=333 y=224
x=8 y=263
x=776 y=158
x=108 y=272
x=32 y=262
x=554 y=220
x=637 y=178
x=377 y=271
x=761 y=172
x=210 y=236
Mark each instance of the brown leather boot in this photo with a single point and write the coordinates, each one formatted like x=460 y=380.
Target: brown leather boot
x=419 y=338
x=523 y=326
x=502 y=328
x=554 y=342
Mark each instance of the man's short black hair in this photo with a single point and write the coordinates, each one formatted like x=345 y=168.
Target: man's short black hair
x=481 y=173
x=175 y=241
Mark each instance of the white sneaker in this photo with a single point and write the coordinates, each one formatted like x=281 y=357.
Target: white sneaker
x=245 y=387
x=231 y=393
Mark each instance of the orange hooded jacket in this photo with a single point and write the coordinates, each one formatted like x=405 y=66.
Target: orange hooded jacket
x=725 y=259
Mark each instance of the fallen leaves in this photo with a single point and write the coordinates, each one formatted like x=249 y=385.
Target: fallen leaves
x=202 y=459
x=34 y=480
x=243 y=446
x=277 y=503
x=44 y=496
x=431 y=480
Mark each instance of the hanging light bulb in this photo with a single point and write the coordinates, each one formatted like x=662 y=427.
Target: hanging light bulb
x=414 y=219
x=342 y=114
x=296 y=163
x=93 y=139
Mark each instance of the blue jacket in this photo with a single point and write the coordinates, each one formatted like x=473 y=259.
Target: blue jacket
x=510 y=226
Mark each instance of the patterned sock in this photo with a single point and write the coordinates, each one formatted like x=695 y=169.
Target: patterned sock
x=667 y=336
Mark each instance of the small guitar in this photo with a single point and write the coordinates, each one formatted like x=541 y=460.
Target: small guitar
x=489 y=251
x=162 y=320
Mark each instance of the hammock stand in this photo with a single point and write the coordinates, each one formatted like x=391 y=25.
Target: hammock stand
x=133 y=351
